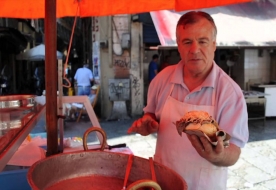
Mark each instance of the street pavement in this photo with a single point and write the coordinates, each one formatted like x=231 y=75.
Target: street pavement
x=255 y=170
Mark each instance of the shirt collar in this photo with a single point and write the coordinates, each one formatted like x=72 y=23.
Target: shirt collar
x=178 y=74
x=211 y=78
x=208 y=82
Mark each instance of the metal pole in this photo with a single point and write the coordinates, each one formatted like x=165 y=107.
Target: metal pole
x=51 y=76
x=60 y=106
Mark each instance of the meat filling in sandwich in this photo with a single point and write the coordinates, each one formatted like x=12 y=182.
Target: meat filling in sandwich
x=194 y=121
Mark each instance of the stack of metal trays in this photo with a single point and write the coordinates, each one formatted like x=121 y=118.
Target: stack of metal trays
x=15 y=112
x=16 y=123
x=15 y=102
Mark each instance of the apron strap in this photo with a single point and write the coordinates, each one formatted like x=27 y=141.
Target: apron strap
x=214 y=96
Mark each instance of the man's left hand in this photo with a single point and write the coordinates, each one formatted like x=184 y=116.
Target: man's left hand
x=218 y=155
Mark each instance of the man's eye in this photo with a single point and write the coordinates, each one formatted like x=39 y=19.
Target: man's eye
x=186 y=42
x=203 y=42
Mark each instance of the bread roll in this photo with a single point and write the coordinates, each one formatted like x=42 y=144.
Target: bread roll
x=198 y=121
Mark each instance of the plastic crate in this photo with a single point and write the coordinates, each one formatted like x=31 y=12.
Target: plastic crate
x=14 y=180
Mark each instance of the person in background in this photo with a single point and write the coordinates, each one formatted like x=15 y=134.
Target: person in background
x=72 y=108
x=165 y=63
x=84 y=78
x=153 y=67
x=39 y=76
x=195 y=83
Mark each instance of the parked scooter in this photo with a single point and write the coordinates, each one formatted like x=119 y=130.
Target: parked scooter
x=4 y=83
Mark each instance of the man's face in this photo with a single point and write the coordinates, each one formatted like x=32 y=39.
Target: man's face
x=196 y=45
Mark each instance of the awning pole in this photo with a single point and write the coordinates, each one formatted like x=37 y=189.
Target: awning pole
x=51 y=76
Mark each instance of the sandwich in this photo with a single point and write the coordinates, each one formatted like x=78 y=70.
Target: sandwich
x=198 y=122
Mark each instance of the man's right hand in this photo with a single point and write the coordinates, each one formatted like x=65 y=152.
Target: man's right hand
x=145 y=125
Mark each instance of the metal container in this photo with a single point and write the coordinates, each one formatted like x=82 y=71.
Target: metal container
x=16 y=102
x=99 y=170
x=15 y=112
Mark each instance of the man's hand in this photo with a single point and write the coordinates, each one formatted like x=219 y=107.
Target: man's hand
x=145 y=125
x=218 y=155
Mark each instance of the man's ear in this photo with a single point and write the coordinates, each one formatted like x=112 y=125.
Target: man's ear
x=214 y=45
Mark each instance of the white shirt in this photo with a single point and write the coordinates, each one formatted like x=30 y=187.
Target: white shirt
x=230 y=106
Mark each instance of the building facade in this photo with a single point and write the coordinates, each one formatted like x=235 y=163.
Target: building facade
x=117 y=54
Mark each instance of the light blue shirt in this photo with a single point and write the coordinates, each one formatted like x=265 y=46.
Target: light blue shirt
x=83 y=76
x=230 y=105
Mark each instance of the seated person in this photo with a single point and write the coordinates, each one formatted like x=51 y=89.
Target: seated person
x=73 y=107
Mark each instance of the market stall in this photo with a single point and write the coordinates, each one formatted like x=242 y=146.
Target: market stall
x=256 y=105
x=270 y=91
x=19 y=115
x=50 y=10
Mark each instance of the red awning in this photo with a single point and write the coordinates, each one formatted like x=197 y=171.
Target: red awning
x=243 y=25
x=36 y=8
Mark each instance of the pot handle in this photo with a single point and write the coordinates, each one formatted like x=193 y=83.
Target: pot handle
x=144 y=183
x=92 y=129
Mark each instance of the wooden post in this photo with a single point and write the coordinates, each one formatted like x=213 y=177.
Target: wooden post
x=51 y=76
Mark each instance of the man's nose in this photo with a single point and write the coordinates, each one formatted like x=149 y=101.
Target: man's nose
x=194 y=48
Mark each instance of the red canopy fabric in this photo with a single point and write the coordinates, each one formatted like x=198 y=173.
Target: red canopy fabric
x=235 y=24
x=36 y=8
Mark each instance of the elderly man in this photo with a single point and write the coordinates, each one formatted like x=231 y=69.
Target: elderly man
x=195 y=83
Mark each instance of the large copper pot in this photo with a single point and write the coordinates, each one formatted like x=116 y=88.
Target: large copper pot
x=100 y=170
